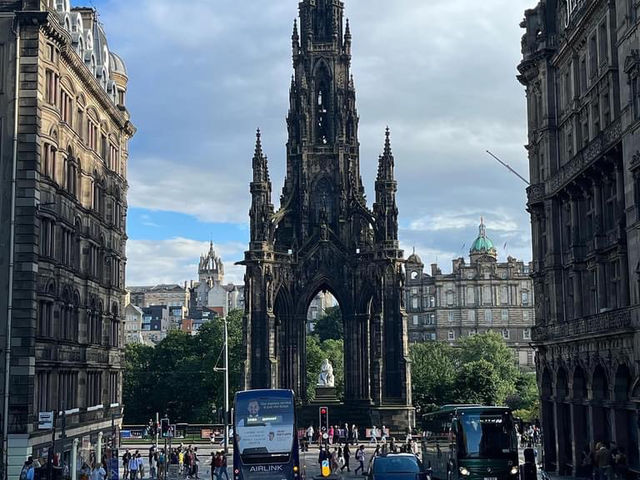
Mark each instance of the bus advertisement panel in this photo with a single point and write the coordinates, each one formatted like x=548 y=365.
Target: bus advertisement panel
x=265 y=440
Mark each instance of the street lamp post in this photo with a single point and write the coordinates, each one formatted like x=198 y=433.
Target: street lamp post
x=226 y=385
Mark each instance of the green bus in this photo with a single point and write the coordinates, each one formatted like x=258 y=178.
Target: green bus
x=470 y=442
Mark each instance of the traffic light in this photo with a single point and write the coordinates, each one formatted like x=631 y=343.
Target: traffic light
x=323 y=413
x=164 y=427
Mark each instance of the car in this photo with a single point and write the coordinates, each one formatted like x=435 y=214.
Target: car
x=397 y=466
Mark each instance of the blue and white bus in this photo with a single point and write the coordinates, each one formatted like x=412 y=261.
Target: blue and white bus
x=265 y=440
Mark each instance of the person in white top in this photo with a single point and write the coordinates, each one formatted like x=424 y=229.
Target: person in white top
x=98 y=473
x=133 y=467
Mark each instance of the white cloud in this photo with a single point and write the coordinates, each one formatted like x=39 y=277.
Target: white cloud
x=175 y=260
x=441 y=73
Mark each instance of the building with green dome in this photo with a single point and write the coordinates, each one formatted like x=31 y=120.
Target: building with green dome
x=482 y=295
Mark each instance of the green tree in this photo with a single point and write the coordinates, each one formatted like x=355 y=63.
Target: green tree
x=492 y=348
x=315 y=355
x=477 y=382
x=329 y=326
x=177 y=377
x=433 y=373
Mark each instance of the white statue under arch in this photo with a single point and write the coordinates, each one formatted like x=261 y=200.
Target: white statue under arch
x=326 y=378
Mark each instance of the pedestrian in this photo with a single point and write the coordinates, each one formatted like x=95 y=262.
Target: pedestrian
x=309 y=433
x=194 y=463
x=153 y=465
x=133 y=467
x=620 y=465
x=374 y=435
x=347 y=454
x=98 y=473
x=602 y=460
x=27 y=472
x=384 y=434
x=360 y=459
x=330 y=432
x=140 y=464
x=125 y=462
x=333 y=462
x=162 y=460
x=354 y=434
x=223 y=471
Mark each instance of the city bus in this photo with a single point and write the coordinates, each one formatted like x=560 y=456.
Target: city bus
x=470 y=442
x=265 y=440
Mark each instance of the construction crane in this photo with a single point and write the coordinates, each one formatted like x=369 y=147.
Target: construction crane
x=508 y=167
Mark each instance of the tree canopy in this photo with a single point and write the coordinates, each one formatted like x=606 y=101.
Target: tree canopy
x=177 y=376
x=478 y=369
x=329 y=326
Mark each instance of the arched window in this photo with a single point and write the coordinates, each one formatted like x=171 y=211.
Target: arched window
x=77 y=246
x=48 y=162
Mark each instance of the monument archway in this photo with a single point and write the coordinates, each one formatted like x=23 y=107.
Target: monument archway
x=324 y=235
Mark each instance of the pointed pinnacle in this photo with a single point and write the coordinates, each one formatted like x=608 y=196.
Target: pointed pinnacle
x=347 y=32
x=387 y=142
x=295 y=28
x=258 y=152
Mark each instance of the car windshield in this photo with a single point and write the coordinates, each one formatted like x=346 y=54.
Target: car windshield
x=396 y=465
x=486 y=435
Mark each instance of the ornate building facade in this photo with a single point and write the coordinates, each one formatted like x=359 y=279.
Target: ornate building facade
x=64 y=132
x=477 y=297
x=581 y=70
x=324 y=237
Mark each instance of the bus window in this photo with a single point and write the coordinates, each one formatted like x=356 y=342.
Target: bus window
x=486 y=435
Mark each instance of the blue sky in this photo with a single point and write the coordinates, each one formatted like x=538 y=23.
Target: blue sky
x=204 y=74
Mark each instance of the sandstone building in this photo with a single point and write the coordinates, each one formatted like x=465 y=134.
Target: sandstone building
x=64 y=131
x=477 y=297
x=581 y=70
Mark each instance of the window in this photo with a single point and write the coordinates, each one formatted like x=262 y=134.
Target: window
x=450 y=298
x=505 y=334
x=595 y=117
x=486 y=295
x=505 y=315
x=94 y=389
x=43 y=387
x=67 y=390
x=525 y=298
x=416 y=319
x=66 y=107
x=488 y=316
x=451 y=316
x=92 y=135
x=414 y=302
x=504 y=294
x=48 y=163
x=432 y=299
x=603 y=42
x=114 y=160
x=47 y=237
x=451 y=335
x=529 y=357
x=471 y=315
x=52 y=82
x=45 y=319
x=525 y=316
x=526 y=334
x=471 y=297
x=113 y=388
x=80 y=124
x=583 y=75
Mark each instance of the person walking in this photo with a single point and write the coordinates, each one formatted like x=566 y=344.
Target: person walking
x=373 y=435
x=162 y=461
x=140 y=465
x=223 y=468
x=125 y=462
x=98 y=472
x=133 y=467
x=360 y=459
x=27 y=472
x=309 y=434
x=354 y=434
x=347 y=455
x=384 y=434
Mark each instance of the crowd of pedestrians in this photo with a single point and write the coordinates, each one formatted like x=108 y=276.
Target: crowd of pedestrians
x=186 y=458
x=604 y=461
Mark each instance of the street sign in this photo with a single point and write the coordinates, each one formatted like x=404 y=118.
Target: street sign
x=45 y=420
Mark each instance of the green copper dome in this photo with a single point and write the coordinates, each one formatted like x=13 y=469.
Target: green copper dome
x=483 y=244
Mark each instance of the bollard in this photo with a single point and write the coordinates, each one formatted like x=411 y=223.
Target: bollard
x=74 y=460
x=99 y=449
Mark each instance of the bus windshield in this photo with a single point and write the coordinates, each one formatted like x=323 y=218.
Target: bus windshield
x=264 y=424
x=486 y=435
